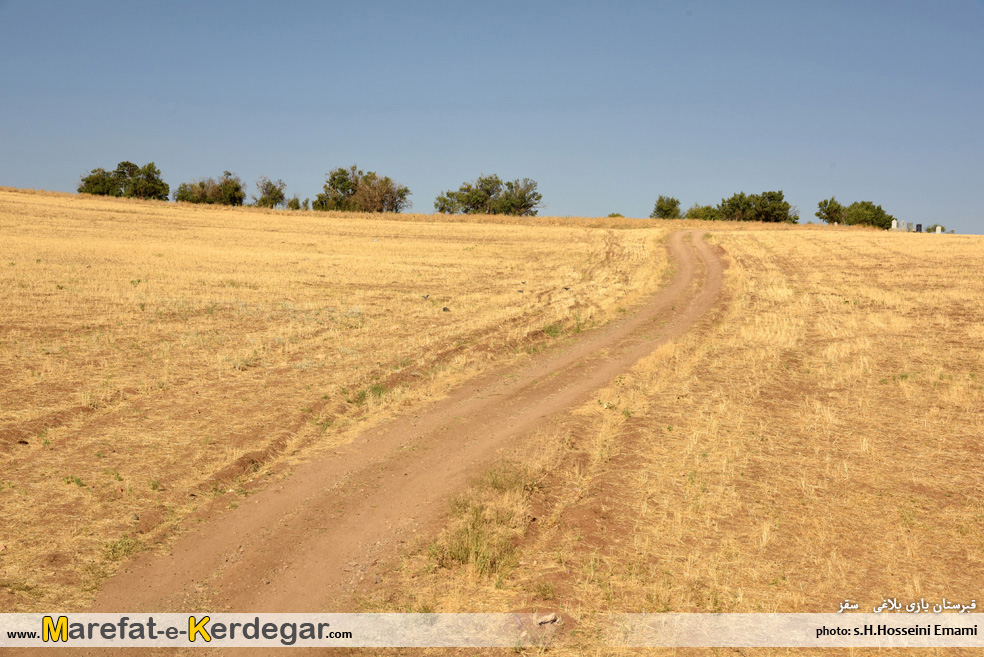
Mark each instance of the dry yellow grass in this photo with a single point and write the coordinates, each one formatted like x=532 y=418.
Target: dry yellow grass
x=155 y=356
x=818 y=438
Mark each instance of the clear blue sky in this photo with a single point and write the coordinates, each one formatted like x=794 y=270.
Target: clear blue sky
x=605 y=104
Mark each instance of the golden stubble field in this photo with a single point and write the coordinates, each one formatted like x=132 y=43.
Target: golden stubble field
x=819 y=438
x=156 y=359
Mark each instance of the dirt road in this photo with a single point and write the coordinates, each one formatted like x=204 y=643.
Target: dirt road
x=301 y=544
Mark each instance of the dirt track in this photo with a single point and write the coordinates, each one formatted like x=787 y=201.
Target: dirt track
x=301 y=545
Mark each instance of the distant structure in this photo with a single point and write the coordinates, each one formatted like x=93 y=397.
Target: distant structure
x=917 y=228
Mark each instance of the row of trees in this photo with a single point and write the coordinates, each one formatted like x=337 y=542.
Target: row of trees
x=355 y=190
x=346 y=190
x=767 y=206
x=130 y=181
x=859 y=213
x=772 y=207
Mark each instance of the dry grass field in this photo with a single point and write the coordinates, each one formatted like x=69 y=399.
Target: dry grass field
x=818 y=438
x=155 y=357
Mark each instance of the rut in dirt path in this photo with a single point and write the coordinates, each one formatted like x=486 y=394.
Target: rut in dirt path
x=301 y=545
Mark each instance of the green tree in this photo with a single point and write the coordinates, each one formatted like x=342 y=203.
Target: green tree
x=490 y=195
x=738 y=207
x=705 y=212
x=196 y=191
x=231 y=191
x=830 y=211
x=101 y=183
x=772 y=207
x=767 y=206
x=479 y=197
x=376 y=194
x=146 y=183
x=294 y=203
x=228 y=190
x=125 y=173
x=126 y=180
x=866 y=213
x=520 y=199
x=666 y=207
x=354 y=190
x=339 y=190
x=271 y=194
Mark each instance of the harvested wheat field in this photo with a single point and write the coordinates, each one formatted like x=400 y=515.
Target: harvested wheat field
x=246 y=410
x=155 y=356
x=818 y=437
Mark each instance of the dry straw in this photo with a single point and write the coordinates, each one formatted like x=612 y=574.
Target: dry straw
x=816 y=438
x=156 y=356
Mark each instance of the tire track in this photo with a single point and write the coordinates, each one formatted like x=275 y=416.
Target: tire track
x=298 y=546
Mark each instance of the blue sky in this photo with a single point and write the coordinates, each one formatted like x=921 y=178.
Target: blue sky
x=605 y=104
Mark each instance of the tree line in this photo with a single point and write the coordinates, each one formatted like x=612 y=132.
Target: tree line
x=346 y=189
x=772 y=207
x=354 y=190
x=859 y=213
x=769 y=206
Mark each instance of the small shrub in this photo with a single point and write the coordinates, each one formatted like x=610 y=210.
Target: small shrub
x=704 y=212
